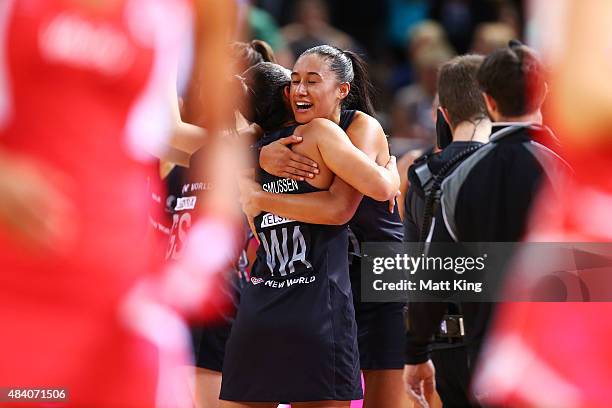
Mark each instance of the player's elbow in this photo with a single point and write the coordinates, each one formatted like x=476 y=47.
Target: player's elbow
x=341 y=214
x=382 y=191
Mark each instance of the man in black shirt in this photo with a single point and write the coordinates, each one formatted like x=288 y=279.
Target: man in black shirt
x=463 y=113
x=487 y=198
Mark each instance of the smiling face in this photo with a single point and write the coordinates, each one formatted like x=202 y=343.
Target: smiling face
x=315 y=91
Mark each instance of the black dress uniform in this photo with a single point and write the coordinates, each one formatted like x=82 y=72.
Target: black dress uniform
x=295 y=337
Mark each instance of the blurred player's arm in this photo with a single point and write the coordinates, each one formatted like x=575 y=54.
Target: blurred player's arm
x=215 y=238
x=209 y=97
x=214 y=25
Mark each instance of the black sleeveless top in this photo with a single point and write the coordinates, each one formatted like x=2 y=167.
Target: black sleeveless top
x=289 y=248
x=296 y=316
x=372 y=221
x=180 y=200
x=185 y=189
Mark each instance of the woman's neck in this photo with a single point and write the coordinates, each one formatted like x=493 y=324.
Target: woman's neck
x=335 y=117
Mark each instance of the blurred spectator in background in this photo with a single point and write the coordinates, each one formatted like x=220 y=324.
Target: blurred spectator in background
x=460 y=17
x=412 y=107
x=510 y=13
x=263 y=26
x=280 y=10
x=403 y=16
x=427 y=33
x=490 y=36
x=380 y=30
x=312 y=27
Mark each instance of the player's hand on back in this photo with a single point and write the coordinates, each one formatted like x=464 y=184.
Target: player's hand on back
x=278 y=159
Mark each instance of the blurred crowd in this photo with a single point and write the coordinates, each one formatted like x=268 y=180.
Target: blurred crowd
x=403 y=41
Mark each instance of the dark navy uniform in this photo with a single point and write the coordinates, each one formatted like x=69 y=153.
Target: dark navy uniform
x=184 y=190
x=295 y=337
x=380 y=325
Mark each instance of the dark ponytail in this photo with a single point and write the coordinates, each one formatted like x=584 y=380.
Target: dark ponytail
x=361 y=95
x=264 y=49
x=246 y=55
x=348 y=67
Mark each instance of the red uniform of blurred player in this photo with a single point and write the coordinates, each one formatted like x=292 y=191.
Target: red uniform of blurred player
x=558 y=354
x=84 y=91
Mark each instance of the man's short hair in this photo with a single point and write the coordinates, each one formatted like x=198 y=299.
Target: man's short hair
x=514 y=77
x=458 y=89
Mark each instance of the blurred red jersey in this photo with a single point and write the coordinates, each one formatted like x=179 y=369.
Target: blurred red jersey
x=84 y=90
x=558 y=354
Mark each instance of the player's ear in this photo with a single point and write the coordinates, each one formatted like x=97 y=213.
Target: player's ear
x=490 y=103
x=344 y=89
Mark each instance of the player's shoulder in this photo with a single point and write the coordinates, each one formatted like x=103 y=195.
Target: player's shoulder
x=363 y=120
x=319 y=124
x=365 y=127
